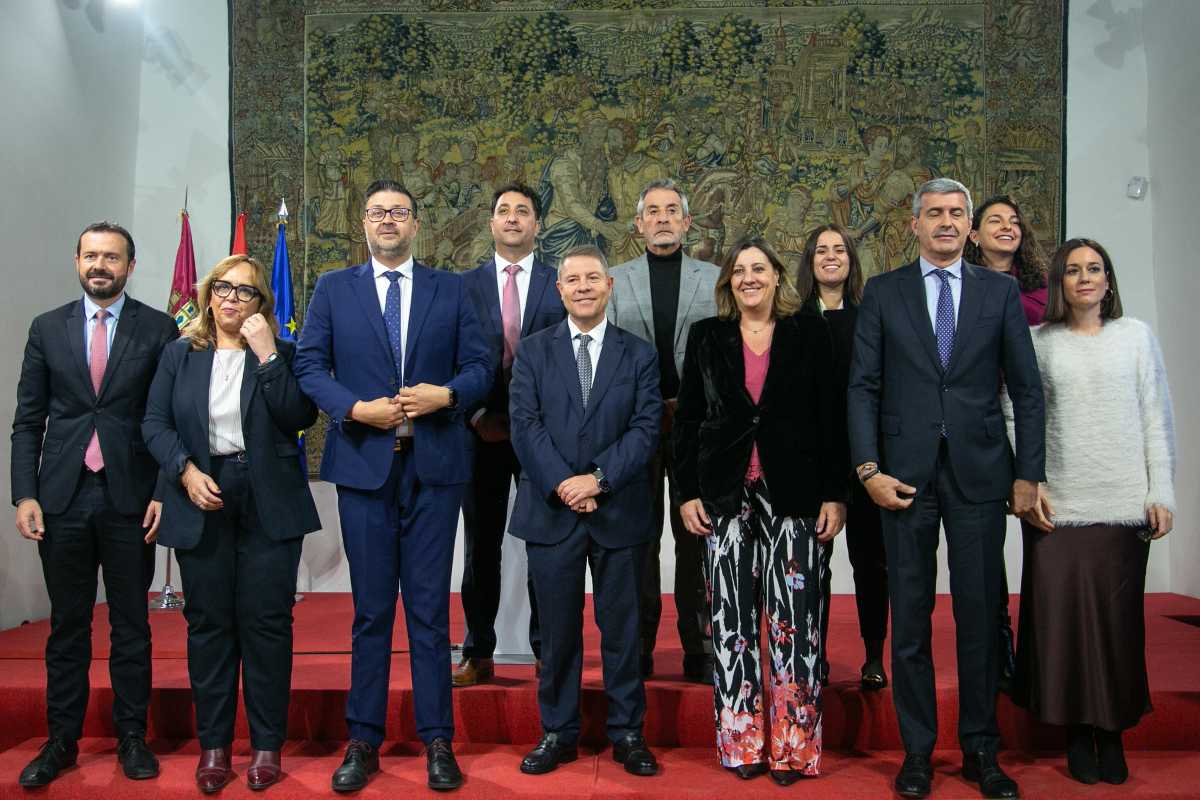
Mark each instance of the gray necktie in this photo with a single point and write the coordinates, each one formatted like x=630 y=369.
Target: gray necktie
x=584 y=361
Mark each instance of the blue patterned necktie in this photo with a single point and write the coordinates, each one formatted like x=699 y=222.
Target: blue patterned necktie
x=584 y=362
x=944 y=328
x=391 y=319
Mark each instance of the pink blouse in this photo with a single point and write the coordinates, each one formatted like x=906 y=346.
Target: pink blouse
x=756 y=376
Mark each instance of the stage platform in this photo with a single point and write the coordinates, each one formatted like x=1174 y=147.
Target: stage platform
x=497 y=722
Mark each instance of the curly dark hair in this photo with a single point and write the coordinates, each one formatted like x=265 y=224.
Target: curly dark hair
x=1029 y=261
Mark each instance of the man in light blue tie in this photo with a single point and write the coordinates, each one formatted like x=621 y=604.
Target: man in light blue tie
x=934 y=341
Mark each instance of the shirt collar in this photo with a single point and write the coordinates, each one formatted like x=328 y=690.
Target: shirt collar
x=405 y=269
x=954 y=270
x=525 y=263
x=597 y=333
x=90 y=308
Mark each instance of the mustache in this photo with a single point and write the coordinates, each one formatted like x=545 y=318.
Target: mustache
x=100 y=273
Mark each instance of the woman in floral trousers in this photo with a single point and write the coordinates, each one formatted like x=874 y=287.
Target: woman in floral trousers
x=759 y=454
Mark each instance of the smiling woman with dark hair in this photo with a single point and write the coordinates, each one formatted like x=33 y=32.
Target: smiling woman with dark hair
x=1001 y=240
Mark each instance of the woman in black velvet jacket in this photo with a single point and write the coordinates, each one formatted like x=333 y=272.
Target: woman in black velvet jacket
x=760 y=456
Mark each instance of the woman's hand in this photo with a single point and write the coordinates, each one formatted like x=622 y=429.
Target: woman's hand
x=258 y=336
x=1161 y=521
x=831 y=521
x=201 y=489
x=1041 y=516
x=695 y=518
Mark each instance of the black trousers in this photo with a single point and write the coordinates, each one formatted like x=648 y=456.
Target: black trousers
x=91 y=534
x=485 y=518
x=240 y=586
x=558 y=575
x=691 y=597
x=975 y=537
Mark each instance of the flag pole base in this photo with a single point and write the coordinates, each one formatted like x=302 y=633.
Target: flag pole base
x=167 y=600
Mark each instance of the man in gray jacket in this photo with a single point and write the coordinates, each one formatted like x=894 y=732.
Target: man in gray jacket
x=658 y=296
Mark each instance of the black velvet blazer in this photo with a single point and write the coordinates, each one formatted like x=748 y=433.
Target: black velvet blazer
x=799 y=423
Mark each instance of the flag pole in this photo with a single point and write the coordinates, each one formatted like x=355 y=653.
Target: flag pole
x=282 y=216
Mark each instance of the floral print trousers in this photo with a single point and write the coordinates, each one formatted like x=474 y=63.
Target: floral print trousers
x=758 y=562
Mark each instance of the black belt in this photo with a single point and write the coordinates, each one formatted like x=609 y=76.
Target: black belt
x=239 y=457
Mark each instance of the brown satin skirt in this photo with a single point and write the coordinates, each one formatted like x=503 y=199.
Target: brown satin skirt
x=1081 y=649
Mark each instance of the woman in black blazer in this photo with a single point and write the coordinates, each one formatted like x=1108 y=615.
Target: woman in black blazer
x=760 y=455
x=830 y=281
x=221 y=419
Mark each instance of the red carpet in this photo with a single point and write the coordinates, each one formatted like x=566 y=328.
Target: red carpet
x=497 y=722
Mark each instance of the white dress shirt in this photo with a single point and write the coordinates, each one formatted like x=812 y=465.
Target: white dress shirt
x=225 y=403
x=594 y=346
x=522 y=277
x=406 y=292
x=110 y=323
x=933 y=286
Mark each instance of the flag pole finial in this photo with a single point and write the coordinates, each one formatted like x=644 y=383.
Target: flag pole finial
x=283 y=212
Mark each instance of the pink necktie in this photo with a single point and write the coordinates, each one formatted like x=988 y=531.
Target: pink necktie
x=510 y=313
x=93 y=459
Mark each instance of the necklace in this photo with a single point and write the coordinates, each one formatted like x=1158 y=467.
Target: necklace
x=226 y=363
x=759 y=329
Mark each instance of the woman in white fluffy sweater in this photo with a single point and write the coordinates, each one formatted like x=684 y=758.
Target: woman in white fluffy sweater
x=1109 y=491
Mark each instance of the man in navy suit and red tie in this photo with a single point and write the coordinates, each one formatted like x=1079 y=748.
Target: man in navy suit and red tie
x=514 y=296
x=586 y=411
x=392 y=352
x=82 y=480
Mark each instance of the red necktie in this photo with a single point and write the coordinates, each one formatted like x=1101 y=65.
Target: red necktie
x=510 y=314
x=93 y=459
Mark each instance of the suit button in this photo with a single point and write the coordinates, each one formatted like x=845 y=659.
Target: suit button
x=945 y=388
x=755 y=419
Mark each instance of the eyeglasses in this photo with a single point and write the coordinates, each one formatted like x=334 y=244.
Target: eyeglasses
x=398 y=214
x=243 y=292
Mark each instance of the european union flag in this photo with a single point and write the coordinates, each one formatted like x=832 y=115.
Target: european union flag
x=285 y=307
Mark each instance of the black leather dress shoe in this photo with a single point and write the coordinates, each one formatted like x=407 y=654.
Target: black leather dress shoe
x=982 y=768
x=915 y=778
x=699 y=668
x=360 y=763
x=551 y=751
x=137 y=762
x=748 y=771
x=443 y=771
x=55 y=756
x=632 y=751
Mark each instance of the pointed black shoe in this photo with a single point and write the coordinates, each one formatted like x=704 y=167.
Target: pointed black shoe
x=1110 y=757
x=55 y=756
x=748 y=771
x=1081 y=754
x=915 y=778
x=137 y=762
x=632 y=751
x=360 y=763
x=549 y=753
x=982 y=768
x=441 y=766
x=786 y=777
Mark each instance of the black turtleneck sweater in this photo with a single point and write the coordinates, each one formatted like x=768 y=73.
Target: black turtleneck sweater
x=664 y=298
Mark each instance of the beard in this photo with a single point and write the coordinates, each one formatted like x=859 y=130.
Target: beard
x=115 y=286
x=389 y=251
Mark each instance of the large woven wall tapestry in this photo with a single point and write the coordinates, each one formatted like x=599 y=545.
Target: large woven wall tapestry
x=775 y=117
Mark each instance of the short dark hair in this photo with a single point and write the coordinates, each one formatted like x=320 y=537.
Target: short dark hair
x=389 y=185
x=806 y=284
x=522 y=189
x=106 y=227
x=1056 y=304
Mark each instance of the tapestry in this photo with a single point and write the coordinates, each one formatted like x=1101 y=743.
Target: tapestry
x=774 y=117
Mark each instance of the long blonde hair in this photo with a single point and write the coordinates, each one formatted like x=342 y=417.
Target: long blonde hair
x=202 y=330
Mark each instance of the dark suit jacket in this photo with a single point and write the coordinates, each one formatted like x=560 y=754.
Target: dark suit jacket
x=798 y=425
x=543 y=308
x=555 y=438
x=57 y=408
x=344 y=356
x=899 y=396
x=274 y=410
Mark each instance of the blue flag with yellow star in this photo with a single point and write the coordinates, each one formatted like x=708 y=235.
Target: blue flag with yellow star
x=285 y=307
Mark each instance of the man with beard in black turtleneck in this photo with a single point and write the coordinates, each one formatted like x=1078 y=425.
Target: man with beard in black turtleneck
x=658 y=296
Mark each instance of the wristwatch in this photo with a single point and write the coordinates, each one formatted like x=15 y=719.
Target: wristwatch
x=598 y=474
x=453 y=397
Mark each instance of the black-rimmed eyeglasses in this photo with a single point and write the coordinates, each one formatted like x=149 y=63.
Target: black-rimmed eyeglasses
x=243 y=292
x=398 y=214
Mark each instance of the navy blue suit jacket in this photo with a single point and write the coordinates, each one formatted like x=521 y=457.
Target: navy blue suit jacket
x=344 y=356
x=899 y=394
x=543 y=308
x=555 y=438
x=274 y=410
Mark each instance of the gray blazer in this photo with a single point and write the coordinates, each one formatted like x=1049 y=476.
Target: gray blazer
x=630 y=307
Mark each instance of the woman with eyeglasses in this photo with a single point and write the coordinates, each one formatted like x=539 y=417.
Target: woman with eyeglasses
x=222 y=419
x=1109 y=491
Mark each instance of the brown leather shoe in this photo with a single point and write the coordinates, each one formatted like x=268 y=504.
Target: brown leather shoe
x=213 y=771
x=264 y=769
x=471 y=671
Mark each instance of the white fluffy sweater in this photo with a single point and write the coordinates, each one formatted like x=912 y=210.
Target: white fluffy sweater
x=1110 y=434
